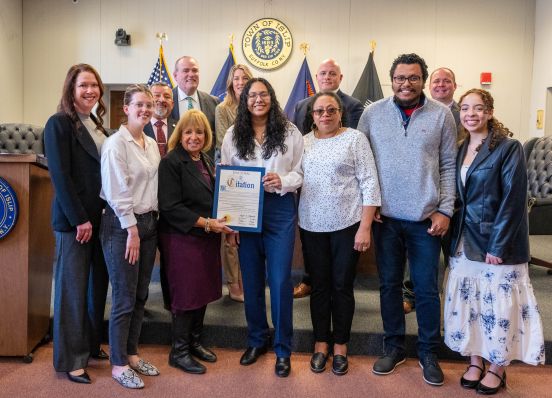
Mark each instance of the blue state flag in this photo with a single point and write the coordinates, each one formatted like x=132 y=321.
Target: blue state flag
x=303 y=88
x=160 y=71
x=219 y=89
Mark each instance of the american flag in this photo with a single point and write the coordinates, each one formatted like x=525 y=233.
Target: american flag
x=160 y=71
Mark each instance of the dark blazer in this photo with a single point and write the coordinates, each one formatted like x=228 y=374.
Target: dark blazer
x=74 y=165
x=207 y=103
x=491 y=210
x=455 y=109
x=171 y=124
x=183 y=193
x=352 y=111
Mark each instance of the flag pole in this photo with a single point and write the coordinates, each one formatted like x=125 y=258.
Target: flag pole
x=304 y=47
x=372 y=46
x=231 y=45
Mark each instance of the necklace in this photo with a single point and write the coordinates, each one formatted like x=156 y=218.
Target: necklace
x=330 y=135
x=195 y=158
x=475 y=148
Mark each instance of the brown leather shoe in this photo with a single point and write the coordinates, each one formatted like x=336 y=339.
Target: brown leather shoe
x=407 y=307
x=301 y=290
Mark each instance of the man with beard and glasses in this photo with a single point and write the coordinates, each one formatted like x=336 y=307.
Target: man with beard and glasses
x=414 y=143
x=162 y=124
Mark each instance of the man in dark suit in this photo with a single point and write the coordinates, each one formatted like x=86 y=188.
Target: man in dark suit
x=442 y=85
x=329 y=78
x=186 y=95
x=162 y=125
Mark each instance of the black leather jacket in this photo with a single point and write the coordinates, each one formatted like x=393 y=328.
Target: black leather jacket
x=491 y=209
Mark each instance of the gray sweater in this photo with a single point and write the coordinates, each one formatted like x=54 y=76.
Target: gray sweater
x=416 y=165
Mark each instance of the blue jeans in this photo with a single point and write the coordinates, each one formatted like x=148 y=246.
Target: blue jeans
x=129 y=283
x=268 y=255
x=393 y=240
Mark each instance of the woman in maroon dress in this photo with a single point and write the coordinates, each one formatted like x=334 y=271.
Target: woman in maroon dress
x=189 y=240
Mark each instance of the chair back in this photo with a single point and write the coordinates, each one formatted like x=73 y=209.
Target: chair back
x=21 y=138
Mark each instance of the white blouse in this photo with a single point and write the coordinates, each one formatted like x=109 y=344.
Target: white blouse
x=287 y=165
x=340 y=177
x=129 y=175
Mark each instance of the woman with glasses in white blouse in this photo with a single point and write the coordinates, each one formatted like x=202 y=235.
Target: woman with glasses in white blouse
x=339 y=197
x=263 y=137
x=130 y=160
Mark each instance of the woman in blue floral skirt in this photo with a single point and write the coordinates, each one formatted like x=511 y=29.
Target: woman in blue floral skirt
x=490 y=310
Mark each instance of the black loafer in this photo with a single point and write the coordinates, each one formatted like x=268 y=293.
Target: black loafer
x=282 y=367
x=472 y=383
x=251 y=355
x=205 y=354
x=82 y=378
x=318 y=362
x=101 y=355
x=340 y=365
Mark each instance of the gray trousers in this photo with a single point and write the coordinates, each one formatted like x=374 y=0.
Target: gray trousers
x=129 y=283
x=79 y=299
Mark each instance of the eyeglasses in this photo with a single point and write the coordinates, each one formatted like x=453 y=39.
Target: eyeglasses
x=329 y=111
x=140 y=105
x=412 y=79
x=262 y=94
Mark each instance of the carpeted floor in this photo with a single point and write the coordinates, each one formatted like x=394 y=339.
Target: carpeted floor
x=228 y=379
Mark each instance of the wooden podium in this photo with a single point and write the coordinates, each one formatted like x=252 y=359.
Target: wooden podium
x=26 y=259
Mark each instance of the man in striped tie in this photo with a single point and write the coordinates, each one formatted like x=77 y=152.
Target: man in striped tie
x=187 y=96
x=162 y=124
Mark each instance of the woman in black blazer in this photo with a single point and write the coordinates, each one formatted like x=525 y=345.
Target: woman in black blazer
x=490 y=309
x=72 y=140
x=189 y=240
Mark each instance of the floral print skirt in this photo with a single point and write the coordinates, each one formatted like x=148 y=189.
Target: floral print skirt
x=491 y=311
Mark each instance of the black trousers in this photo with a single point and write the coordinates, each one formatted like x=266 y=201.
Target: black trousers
x=332 y=301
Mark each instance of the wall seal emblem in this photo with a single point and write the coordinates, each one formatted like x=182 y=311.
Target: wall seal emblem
x=267 y=44
x=9 y=208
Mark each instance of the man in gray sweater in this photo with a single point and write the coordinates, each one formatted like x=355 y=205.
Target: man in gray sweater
x=413 y=139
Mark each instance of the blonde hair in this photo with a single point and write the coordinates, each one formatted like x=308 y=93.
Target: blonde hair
x=192 y=118
x=231 y=100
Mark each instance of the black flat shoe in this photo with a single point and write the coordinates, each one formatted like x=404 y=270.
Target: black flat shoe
x=251 y=355
x=472 y=383
x=483 y=389
x=82 y=378
x=340 y=365
x=200 y=352
x=282 y=367
x=101 y=355
x=318 y=362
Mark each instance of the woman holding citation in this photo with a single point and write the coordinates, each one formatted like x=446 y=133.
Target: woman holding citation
x=263 y=137
x=189 y=239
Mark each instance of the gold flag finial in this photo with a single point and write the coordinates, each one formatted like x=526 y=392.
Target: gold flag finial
x=372 y=45
x=304 y=47
x=161 y=36
x=231 y=38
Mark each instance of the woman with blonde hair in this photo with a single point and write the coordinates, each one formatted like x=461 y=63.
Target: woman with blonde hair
x=189 y=240
x=225 y=114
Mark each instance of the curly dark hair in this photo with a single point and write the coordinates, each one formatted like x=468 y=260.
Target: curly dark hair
x=67 y=102
x=308 y=124
x=276 y=125
x=409 y=59
x=499 y=131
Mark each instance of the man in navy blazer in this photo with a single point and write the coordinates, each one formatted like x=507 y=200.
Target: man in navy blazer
x=163 y=98
x=187 y=96
x=329 y=78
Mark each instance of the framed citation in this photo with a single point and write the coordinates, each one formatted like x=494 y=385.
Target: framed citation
x=239 y=197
